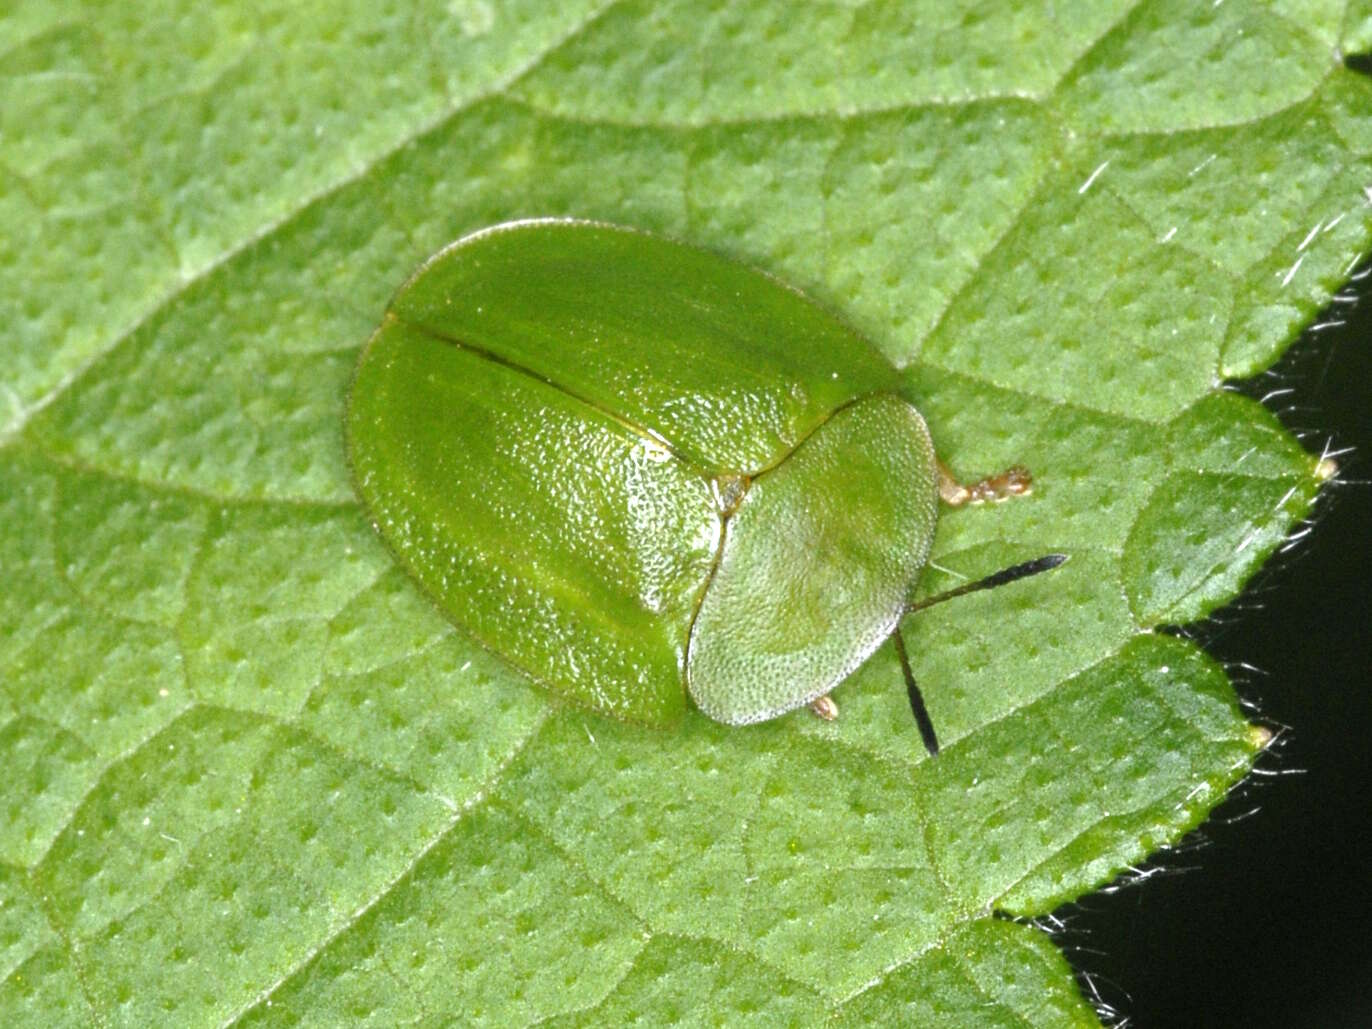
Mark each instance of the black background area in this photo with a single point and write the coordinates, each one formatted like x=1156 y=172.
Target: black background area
x=1264 y=916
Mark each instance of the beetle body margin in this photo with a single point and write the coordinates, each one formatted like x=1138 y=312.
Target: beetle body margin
x=637 y=469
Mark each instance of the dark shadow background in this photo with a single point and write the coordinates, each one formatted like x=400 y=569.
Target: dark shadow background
x=1264 y=918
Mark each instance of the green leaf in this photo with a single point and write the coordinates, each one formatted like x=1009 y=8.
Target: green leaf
x=253 y=776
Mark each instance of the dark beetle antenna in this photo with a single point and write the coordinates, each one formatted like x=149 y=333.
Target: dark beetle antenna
x=1000 y=578
x=922 y=719
x=1007 y=575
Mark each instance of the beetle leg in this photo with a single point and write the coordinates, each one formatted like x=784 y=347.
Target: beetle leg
x=1012 y=482
x=824 y=707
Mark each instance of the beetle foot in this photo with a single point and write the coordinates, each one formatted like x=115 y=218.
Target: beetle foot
x=824 y=707
x=1012 y=482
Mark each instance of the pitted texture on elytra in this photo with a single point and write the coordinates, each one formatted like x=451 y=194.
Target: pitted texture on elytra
x=727 y=366
x=555 y=421
x=562 y=539
x=206 y=209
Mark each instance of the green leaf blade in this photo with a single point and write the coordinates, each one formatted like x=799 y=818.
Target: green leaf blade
x=1066 y=233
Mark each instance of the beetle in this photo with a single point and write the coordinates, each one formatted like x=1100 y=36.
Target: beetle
x=638 y=471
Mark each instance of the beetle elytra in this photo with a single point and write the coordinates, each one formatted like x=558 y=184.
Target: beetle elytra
x=640 y=471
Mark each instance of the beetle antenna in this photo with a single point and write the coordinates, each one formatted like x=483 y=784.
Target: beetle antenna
x=922 y=719
x=1005 y=575
x=1000 y=578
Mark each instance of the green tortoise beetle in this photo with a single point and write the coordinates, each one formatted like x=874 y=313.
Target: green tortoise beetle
x=638 y=470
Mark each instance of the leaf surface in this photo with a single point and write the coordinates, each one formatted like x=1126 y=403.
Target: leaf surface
x=254 y=777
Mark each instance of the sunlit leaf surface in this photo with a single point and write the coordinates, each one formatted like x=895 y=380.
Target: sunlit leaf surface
x=251 y=776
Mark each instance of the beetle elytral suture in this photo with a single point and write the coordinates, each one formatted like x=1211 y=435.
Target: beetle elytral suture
x=639 y=471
